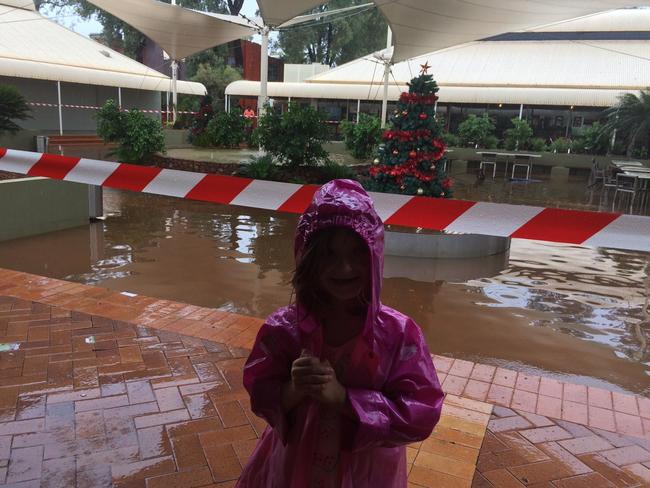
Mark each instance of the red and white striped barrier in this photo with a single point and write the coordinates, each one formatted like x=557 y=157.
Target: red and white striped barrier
x=519 y=221
x=93 y=107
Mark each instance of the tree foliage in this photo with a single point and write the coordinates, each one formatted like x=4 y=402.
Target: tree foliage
x=13 y=106
x=362 y=138
x=216 y=77
x=631 y=119
x=295 y=137
x=476 y=131
x=518 y=136
x=138 y=136
x=592 y=140
x=227 y=129
x=337 y=42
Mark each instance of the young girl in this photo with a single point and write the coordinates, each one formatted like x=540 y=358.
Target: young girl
x=343 y=381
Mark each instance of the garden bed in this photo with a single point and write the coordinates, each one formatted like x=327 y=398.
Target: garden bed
x=304 y=175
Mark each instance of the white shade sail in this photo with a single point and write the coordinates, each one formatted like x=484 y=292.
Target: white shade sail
x=608 y=61
x=24 y=4
x=179 y=31
x=422 y=26
x=32 y=46
x=276 y=12
x=592 y=71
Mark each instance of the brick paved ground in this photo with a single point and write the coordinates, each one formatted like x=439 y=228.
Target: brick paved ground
x=523 y=449
x=144 y=405
x=90 y=401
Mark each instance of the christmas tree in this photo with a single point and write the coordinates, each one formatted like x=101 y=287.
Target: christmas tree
x=412 y=156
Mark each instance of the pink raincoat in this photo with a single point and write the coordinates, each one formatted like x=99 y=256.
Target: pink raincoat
x=393 y=391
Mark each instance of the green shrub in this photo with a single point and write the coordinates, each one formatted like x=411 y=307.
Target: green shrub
x=260 y=168
x=335 y=171
x=13 y=106
x=560 y=145
x=537 y=144
x=490 y=142
x=362 y=138
x=594 y=139
x=227 y=129
x=202 y=139
x=295 y=137
x=138 y=136
x=451 y=140
x=518 y=137
x=110 y=122
x=143 y=137
x=474 y=130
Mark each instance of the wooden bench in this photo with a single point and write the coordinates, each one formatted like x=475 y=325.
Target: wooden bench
x=75 y=140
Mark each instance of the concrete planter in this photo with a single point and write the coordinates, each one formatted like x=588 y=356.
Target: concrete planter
x=440 y=256
x=31 y=206
x=443 y=246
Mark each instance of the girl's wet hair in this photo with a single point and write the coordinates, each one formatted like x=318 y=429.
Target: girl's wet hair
x=305 y=279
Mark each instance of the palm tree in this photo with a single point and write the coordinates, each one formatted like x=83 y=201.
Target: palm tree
x=13 y=106
x=630 y=118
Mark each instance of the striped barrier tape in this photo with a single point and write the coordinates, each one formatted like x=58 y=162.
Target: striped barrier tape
x=596 y=229
x=92 y=107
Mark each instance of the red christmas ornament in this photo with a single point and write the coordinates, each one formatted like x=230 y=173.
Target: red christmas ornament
x=423 y=116
x=404 y=113
x=413 y=154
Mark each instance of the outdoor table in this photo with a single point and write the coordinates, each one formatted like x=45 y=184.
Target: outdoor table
x=619 y=163
x=634 y=169
x=508 y=156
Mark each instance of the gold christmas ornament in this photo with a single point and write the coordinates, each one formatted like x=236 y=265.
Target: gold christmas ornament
x=375 y=161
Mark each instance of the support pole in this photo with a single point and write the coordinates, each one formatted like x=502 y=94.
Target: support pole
x=119 y=97
x=384 y=102
x=264 y=73
x=358 y=110
x=58 y=89
x=174 y=90
x=521 y=111
x=167 y=108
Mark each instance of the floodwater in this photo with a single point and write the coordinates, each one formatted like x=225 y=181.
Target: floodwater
x=564 y=310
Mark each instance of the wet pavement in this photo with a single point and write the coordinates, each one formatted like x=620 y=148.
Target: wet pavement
x=92 y=401
x=124 y=399
x=564 y=310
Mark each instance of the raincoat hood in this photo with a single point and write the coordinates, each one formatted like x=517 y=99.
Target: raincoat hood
x=344 y=203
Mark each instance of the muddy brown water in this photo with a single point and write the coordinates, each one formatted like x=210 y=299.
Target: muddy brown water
x=568 y=311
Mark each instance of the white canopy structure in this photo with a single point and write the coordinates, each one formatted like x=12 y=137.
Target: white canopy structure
x=32 y=46
x=545 y=67
x=422 y=26
x=179 y=31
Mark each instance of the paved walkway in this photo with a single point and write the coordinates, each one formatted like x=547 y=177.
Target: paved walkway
x=104 y=390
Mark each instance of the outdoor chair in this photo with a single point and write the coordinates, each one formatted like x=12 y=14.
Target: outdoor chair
x=488 y=159
x=597 y=174
x=609 y=178
x=523 y=162
x=626 y=184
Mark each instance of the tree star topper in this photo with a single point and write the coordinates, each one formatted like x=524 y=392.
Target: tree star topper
x=425 y=68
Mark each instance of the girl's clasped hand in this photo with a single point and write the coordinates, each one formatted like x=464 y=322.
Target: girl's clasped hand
x=317 y=379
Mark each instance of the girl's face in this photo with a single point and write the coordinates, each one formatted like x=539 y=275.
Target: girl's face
x=345 y=271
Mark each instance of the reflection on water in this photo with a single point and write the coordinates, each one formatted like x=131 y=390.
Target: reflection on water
x=556 y=308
